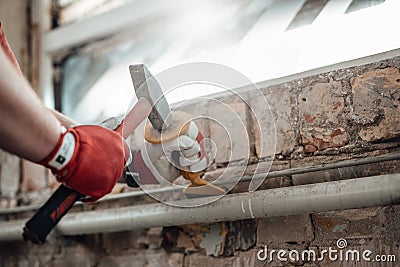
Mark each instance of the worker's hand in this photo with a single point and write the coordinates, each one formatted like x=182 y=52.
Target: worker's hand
x=164 y=161
x=89 y=159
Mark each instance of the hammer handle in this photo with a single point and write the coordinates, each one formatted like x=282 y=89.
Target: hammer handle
x=62 y=200
x=47 y=217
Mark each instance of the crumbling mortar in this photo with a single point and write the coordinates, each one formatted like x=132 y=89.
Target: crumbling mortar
x=250 y=129
x=290 y=176
x=356 y=148
x=296 y=117
x=19 y=193
x=313 y=226
x=348 y=102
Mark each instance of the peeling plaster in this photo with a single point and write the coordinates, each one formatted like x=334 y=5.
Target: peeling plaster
x=212 y=241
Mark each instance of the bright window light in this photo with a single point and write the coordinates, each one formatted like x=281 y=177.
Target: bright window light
x=249 y=36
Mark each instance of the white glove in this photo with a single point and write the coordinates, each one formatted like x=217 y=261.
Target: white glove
x=166 y=160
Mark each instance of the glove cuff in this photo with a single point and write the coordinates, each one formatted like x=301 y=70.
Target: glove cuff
x=63 y=153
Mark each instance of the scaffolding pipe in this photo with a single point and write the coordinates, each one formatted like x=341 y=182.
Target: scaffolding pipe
x=329 y=196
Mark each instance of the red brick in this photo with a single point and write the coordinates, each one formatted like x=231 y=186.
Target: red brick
x=322 y=117
x=125 y=240
x=356 y=224
x=376 y=103
x=207 y=239
x=198 y=260
x=279 y=118
x=143 y=258
x=337 y=174
x=77 y=255
x=285 y=229
x=228 y=129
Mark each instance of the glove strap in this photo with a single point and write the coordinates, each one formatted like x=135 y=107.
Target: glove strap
x=62 y=154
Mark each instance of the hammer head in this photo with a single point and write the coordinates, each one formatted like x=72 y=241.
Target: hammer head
x=147 y=86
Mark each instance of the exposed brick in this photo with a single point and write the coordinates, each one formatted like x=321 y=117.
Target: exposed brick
x=228 y=130
x=228 y=174
x=325 y=121
x=247 y=259
x=208 y=239
x=280 y=117
x=185 y=242
x=153 y=238
x=322 y=117
x=198 y=110
x=174 y=259
x=376 y=103
x=241 y=259
x=286 y=229
x=122 y=261
x=77 y=255
x=348 y=224
x=34 y=177
x=125 y=240
x=337 y=174
x=9 y=178
x=144 y=258
x=19 y=251
x=268 y=183
x=198 y=260
x=241 y=236
x=390 y=226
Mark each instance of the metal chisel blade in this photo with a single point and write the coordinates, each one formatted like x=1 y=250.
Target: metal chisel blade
x=147 y=86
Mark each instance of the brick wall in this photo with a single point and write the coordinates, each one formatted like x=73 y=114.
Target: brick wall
x=327 y=117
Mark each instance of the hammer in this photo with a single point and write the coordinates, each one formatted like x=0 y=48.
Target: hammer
x=62 y=200
x=164 y=125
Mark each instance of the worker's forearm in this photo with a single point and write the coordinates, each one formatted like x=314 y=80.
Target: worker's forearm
x=28 y=129
x=64 y=120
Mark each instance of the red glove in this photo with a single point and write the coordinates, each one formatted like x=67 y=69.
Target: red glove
x=89 y=159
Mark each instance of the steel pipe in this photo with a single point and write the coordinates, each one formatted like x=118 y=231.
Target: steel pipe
x=286 y=172
x=329 y=196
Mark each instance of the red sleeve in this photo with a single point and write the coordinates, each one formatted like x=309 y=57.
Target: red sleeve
x=7 y=50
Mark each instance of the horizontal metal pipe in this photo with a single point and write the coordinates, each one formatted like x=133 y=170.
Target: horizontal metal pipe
x=329 y=196
x=287 y=172
x=272 y=174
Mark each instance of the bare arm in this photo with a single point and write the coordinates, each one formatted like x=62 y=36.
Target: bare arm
x=64 y=120
x=28 y=129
